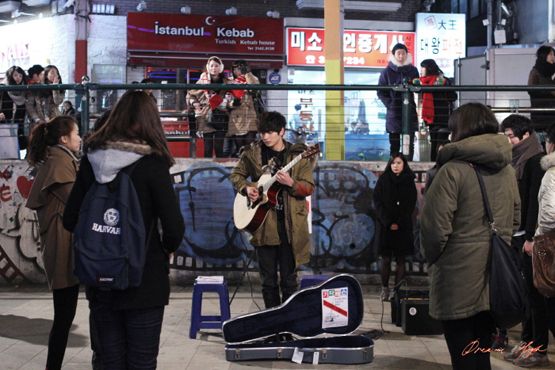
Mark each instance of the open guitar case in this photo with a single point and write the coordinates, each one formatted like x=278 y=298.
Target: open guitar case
x=334 y=307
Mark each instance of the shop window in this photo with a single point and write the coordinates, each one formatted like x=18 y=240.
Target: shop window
x=106 y=74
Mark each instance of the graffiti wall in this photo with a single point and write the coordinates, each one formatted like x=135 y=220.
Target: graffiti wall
x=342 y=220
x=19 y=234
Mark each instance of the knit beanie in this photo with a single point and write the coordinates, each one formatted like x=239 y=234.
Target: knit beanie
x=399 y=46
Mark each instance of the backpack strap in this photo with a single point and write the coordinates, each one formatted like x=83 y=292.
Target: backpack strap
x=489 y=213
x=128 y=171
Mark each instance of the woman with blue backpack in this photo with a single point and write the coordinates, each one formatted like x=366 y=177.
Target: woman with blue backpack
x=128 y=156
x=53 y=152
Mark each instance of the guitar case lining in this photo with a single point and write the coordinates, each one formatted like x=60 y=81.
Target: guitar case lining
x=305 y=314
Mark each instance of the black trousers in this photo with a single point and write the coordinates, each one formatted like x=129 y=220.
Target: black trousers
x=65 y=304
x=271 y=259
x=535 y=327
x=464 y=336
x=395 y=144
x=236 y=142
x=438 y=136
x=214 y=142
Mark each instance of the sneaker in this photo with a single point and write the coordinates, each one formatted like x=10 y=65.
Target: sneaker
x=527 y=359
x=385 y=294
x=515 y=352
x=500 y=341
x=392 y=293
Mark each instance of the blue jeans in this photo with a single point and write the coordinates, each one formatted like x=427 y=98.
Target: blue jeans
x=127 y=339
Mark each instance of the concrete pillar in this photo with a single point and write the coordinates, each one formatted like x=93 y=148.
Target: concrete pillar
x=81 y=10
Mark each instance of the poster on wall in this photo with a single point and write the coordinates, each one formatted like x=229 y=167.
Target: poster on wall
x=361 y=48
x=441 y=36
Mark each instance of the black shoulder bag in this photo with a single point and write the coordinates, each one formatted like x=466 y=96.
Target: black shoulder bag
x=507 y=289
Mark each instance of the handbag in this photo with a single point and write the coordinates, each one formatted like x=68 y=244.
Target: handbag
x=543 y=263
x=507 y=288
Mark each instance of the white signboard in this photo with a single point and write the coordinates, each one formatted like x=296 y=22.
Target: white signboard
x=440 y=36
x=335 y=307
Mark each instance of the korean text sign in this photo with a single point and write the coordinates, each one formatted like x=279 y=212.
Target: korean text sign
x=441 y=37
x=365 y=49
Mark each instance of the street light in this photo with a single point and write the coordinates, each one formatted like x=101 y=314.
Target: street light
x=231 y=11
x=141 y=6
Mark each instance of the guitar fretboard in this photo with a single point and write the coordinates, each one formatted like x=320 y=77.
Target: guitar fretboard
x=289 y=165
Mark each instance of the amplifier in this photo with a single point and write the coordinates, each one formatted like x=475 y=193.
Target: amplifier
x=416 y=319
x=400 y=294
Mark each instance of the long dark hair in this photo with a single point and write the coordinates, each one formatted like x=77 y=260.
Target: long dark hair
x=9 y=75
x=472 y=119
x=134 y=118
x=47 y=134
x=432 y=69
x=406 y=168
x=45 y=80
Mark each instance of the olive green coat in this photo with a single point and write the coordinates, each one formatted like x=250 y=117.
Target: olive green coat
x=48 y=196
x=454 y=234
x=247 y=172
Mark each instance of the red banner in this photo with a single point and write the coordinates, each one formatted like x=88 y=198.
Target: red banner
x=365 y=49
x=204 y=34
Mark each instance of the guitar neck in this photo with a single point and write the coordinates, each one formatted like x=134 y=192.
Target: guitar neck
x=289 y=165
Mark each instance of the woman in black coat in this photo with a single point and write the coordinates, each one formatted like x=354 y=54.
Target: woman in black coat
x=129 y=322
x=394 y=201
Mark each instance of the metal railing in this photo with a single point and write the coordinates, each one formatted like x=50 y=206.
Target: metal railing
x=85 y=90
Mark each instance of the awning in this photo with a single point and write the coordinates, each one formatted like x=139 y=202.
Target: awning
x=190 y=60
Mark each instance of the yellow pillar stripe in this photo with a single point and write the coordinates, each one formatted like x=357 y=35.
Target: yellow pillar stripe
x=335 y=121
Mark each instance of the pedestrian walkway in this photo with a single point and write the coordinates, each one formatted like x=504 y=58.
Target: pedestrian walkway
x=26 y=313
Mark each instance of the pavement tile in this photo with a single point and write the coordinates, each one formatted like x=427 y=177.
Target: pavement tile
x=26 y=317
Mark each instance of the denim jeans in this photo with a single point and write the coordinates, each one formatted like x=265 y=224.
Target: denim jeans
x=128 y=339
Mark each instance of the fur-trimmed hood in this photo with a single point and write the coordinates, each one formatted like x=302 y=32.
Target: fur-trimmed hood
x=115 y=155
x=548 y=161
x=395 y=65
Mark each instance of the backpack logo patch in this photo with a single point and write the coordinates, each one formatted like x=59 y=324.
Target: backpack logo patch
x=111 y=217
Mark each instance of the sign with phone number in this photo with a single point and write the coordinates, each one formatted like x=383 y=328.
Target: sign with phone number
x=363 y=49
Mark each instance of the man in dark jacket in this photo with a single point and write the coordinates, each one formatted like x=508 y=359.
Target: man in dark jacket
x=399 y=71
x=527 y=153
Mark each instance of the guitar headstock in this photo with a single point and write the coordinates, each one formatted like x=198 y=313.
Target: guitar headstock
x=311 y=150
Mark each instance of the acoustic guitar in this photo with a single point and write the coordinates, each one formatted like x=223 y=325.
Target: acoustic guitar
x=248 y=215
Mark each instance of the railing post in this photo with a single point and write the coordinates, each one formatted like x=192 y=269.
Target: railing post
x=405 y=118
x=85 y=99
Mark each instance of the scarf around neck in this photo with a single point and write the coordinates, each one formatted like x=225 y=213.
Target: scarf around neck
x=547 y=70
x=428 y=109
x=523 y=151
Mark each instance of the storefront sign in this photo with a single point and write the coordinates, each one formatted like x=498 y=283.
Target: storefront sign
x=441 y=37
x=366 y=49
x=204 y=34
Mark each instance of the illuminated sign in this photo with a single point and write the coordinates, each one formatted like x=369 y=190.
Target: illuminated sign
x=365 y=49
x=441 y=37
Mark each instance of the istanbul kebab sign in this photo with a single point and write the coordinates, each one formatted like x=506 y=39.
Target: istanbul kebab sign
x=204 y=34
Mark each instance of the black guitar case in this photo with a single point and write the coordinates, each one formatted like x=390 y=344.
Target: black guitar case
x=334 y=307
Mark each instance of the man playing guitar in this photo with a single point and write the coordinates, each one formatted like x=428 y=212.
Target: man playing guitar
x=282 y=241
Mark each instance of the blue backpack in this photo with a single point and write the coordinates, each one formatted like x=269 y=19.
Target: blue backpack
x=109 y=239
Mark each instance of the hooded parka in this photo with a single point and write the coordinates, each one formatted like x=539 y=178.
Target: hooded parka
x=152 y=181
x=397 y=74
x=454 y=233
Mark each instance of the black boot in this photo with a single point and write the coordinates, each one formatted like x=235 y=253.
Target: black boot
x=271 y=298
